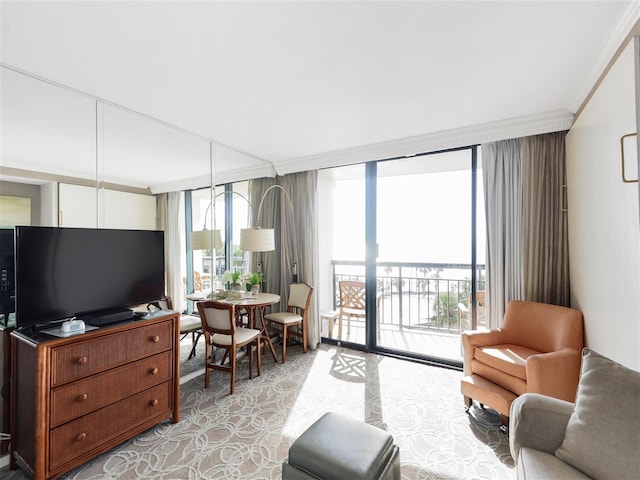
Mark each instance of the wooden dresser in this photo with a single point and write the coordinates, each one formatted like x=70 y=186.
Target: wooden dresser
x=74 y=398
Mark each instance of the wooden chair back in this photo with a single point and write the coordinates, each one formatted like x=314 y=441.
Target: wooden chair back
x=352 y=298
x=299 y=296
x=217 y=317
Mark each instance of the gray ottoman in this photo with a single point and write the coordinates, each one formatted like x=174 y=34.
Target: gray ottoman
x=338 y=447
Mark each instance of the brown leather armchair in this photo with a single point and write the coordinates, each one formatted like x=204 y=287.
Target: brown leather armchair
x=537 y=350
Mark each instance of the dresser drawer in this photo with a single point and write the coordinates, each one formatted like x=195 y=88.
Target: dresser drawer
x=82 y=358
x=82 y=435
x=83 y=396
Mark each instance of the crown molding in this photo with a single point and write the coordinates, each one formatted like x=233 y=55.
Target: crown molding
x=432 y=142
x=627 y=26
x=220 y=178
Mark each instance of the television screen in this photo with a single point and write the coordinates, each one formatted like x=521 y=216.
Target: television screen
x=66 y=272
x=7 y=291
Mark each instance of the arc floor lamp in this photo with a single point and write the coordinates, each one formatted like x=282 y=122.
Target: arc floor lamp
x=258 y=239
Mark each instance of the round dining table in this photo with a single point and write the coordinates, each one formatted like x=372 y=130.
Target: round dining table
x=255 y=305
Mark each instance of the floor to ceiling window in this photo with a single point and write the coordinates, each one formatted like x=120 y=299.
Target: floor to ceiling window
x=342 y=244
x=227 y=210
x=429 y=260
x=204 y=216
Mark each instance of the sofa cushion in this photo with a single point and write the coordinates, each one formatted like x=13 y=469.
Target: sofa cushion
x=603 y=433
x=511 y=359
x=536 y=465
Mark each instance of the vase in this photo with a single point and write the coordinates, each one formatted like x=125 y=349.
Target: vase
x=255 y=289
x=235 y=286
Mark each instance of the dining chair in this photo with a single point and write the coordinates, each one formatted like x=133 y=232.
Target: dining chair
x=220 y=331
x=189 y=324
x=295 y=316
x=197 y=282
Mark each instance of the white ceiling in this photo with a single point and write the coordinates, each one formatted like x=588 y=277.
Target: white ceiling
x=286 y=86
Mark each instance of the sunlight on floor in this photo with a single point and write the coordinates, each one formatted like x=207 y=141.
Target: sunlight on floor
x=344 y=385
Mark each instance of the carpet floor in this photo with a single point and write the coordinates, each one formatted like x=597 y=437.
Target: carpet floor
x=247 y=435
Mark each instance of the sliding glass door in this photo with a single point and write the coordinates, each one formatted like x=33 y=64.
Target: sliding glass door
x=411 y=231
x=424 y=265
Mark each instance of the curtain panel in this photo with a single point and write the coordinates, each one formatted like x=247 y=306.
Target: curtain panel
x=502 y=178
x=269 y=218
x=295 y=237
x=545 y=247
x=168 y=207
x=527 y=233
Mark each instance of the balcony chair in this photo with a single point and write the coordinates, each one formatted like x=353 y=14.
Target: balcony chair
x=464 y=315
x=464 y=318
x=296 y=315
x=189 y=324
x=353 y=304
x=537 y=350
x=220 y=330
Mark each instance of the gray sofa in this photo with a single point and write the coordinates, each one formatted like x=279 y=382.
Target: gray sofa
x=597 y=437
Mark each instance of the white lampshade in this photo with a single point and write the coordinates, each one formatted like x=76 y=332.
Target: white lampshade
x=257 y=240
x=201 y=240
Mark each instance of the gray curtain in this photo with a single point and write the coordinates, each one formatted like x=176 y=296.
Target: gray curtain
x=269 y=218
x=527 y=233
x=502 y=178
x=300 y=241
x=295 y=236
x=545 y=233
x=168 y=213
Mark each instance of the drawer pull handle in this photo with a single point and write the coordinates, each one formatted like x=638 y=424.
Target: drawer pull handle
x=82 y=398
x=81 y=437
x=154 y=402
x=82 y=360
x=155 y=339
x=154 y=371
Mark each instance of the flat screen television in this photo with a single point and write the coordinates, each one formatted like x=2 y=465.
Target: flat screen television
x=84 y=272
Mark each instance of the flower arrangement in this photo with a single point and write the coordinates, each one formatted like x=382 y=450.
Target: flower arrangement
x=236 y=278
x=229 y=278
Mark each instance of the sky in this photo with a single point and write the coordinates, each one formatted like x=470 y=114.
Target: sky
x=421 y=217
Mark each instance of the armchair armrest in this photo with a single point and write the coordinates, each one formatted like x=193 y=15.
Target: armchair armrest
x=539 y=422
x=555 y=374
x=475 y=338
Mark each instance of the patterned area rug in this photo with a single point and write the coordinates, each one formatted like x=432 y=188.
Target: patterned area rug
x=247 y=435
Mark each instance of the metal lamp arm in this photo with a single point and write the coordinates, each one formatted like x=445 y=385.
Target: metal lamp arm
x=225 y=193
x=257 y=222
x=240 y=195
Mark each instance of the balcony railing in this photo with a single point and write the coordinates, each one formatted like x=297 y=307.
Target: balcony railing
x=416 y=295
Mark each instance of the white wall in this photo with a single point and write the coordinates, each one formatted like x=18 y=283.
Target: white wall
x=49 y=204
x=604 y=238
x=124 y=210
